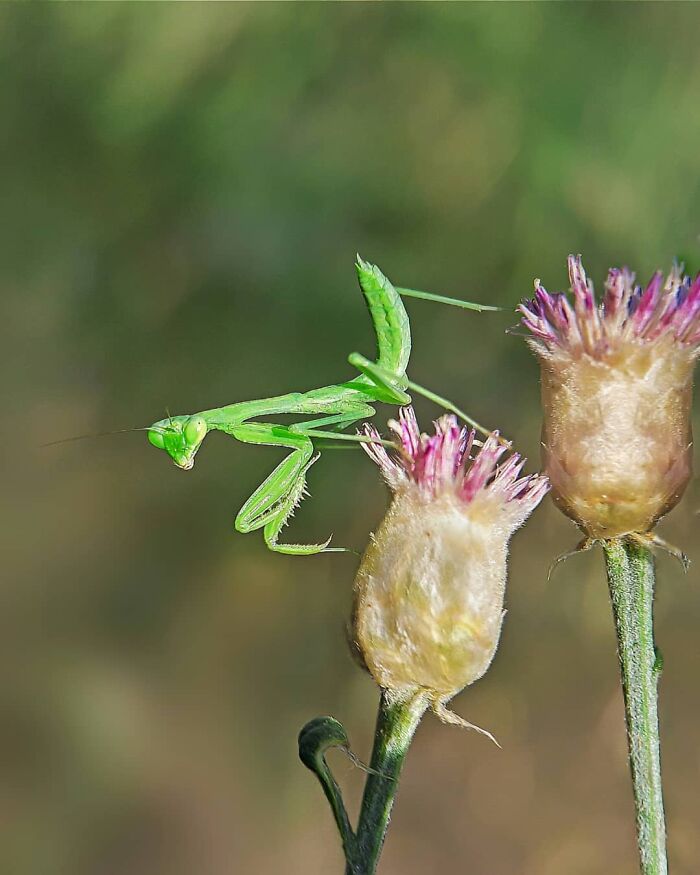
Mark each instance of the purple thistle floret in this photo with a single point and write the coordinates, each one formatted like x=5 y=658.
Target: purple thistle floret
x=667 y=309
x=441 y=462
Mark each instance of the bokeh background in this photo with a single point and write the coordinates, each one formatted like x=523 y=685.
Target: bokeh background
x=184 y=188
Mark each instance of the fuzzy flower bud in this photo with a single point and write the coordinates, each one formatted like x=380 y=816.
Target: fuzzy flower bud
x=430 y=589
x=616 y=393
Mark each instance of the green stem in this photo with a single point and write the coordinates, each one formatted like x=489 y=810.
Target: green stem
x=397 y=721
x=631 y=581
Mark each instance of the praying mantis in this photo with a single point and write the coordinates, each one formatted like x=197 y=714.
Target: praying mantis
x=334 y=409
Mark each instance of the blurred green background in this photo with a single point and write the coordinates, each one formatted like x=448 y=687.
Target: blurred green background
x=184 y=189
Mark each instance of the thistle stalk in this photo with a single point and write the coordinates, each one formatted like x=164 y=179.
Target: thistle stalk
x=630 y=570
x=397 y=721
x=617 y=443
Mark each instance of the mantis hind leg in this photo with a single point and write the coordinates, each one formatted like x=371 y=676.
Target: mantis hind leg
x=274 y=501
x=355 y=410
x=385 y=385
x=390 y=384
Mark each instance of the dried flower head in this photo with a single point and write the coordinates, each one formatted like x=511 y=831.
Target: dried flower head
x=616 y=393
x=429 y=592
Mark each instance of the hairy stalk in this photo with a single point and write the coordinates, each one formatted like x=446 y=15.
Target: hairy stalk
x=397 y=721
x=631 y=580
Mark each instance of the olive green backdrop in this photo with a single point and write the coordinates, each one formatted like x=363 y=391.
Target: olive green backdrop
x=184 y=188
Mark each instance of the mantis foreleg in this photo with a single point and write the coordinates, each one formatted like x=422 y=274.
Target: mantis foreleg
x=273 y=502
x=286 y=508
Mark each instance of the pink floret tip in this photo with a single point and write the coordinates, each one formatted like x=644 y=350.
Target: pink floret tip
x=442 y=461
x=664 y=309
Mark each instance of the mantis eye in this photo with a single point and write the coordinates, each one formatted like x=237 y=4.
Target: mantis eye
x=195 y=430
x=156 y=438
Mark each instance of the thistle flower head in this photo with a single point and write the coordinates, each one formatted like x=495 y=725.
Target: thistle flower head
x=664 y=312
x=429 y=592
x=440 y=467
x=616 y=393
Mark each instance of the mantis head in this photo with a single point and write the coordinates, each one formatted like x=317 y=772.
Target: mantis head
x=180 y=437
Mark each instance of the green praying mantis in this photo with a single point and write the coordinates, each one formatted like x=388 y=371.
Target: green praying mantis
x=334 y=408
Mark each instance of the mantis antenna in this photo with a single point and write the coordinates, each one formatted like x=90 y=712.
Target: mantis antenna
x=97 y=434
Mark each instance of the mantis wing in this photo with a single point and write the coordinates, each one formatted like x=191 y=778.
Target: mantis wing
x=389 y=317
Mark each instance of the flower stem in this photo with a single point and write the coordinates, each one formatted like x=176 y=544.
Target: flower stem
x=397 y=721
x=631 y=580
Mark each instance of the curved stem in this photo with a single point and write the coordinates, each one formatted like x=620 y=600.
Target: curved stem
x=315 y=738
x=397 y=721
x=631 y=580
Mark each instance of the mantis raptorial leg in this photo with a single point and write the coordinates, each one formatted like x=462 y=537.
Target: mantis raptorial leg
x=275 y=500
x=334 y=408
